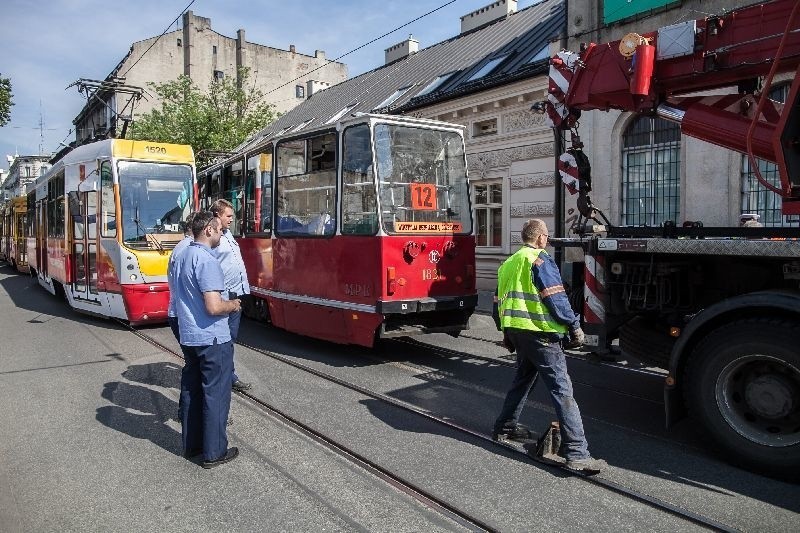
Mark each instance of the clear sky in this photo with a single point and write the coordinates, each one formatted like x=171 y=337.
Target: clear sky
x=46 y=45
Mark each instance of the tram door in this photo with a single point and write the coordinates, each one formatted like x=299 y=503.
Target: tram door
x=41 y=237
x=84 y=247
x=19 y=238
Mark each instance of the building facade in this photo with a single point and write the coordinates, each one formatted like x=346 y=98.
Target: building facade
x=196 y=50
x=510 y=159
x=645 y=172
x=22 y=173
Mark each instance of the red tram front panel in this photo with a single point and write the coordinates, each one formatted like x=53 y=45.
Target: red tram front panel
x=346 y=289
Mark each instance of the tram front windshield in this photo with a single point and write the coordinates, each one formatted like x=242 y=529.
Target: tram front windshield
x=155 y=197
x=422 y=180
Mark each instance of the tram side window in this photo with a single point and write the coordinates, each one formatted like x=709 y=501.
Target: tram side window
x=30 y=221
x=214 y=184
x=55 y=206
x=258 y=192
x=202 y=186
x=108 y=218
x=233 y=191
x=359 y=205
x=306 y=186
x=209 y=188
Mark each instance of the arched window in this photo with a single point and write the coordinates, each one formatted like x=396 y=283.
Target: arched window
x=650 y=172
x=755 y=197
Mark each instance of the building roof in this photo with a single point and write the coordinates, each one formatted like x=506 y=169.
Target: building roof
x=501 y=51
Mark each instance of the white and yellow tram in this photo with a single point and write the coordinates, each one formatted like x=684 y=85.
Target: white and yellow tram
x=105 y=219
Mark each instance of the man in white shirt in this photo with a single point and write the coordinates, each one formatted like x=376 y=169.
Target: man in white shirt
x=230 y=259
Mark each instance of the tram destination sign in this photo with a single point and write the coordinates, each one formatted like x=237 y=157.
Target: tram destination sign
x=428 y=227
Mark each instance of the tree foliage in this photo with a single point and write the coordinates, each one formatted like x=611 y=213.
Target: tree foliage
x=218 y=119
x=5 y=101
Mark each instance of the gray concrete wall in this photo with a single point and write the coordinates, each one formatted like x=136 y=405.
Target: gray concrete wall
x=197 y=51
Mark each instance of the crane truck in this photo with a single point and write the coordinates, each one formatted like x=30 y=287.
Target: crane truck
x=717 y=307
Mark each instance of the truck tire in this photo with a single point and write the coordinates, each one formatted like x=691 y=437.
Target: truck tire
x=641 y=339
x=743 y=389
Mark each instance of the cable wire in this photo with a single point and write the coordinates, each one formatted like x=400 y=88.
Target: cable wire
x=160 y=36
x=360 y=47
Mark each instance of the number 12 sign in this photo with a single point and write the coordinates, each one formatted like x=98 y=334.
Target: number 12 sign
x=423 y=196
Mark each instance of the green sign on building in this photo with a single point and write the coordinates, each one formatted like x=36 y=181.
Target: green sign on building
x=614 y=10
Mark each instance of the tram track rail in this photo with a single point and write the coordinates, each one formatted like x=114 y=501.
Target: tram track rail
x=427 y=499
x=644 y=371
x=447 y=352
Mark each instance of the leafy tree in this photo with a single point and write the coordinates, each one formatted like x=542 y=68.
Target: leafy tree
x=216 y=120
x=5 y=101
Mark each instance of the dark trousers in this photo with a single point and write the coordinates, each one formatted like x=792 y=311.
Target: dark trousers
x=173 y=325
x=234 y=319
x=538 y=356
x=206 y=398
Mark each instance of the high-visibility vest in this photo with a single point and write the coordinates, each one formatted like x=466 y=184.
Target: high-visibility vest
x=519 y=304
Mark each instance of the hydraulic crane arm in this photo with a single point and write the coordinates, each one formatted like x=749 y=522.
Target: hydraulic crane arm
x=653 y=73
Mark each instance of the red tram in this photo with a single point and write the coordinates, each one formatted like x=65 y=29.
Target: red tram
x=356 y=230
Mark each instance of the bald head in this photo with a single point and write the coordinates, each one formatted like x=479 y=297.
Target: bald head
x=532 y=230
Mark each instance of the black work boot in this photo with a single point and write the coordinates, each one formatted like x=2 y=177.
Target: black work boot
x=512 y=432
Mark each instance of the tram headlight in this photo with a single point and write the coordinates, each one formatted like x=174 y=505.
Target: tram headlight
x=133 y=277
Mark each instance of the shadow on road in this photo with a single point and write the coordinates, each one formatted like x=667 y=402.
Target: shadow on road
x=141 y=412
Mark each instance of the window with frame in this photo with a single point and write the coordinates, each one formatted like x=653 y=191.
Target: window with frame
x=359 y=200
x=55 y=206
x=488 y=67
x=650 y=172
x=756 y=198
x=232 y=190
x=108 y=211
x=488 y=213
x=258 y=191
x=393 y=97
x=30 y=220
x=435 y=84
x=305 y=186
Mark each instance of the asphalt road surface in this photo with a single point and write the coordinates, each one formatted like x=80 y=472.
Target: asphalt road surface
x=89 y=438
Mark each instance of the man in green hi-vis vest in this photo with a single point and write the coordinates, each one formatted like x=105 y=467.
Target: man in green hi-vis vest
x=535 y=316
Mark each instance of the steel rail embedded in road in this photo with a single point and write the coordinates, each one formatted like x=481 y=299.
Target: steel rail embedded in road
x=412 y=490
x=427 y=499
x=512 y=364
x=608 y=484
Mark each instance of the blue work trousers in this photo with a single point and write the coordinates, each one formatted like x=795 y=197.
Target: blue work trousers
x=538 y=356
x=234 y=319
x=206 y=398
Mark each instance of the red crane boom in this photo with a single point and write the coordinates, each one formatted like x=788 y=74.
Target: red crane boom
x=655 y=73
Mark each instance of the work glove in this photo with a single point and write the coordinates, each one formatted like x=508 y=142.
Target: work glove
x=576 y=337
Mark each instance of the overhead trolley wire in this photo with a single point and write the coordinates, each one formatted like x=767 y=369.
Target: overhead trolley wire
x=362 y=46
x=160 y=36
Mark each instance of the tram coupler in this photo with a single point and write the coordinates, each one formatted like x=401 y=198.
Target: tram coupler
x=547 y=447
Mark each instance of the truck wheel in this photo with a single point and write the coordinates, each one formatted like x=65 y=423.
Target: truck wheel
x=744 y=389
x=641 y=339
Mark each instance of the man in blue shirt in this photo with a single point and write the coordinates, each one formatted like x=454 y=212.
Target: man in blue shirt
x=202 y=309
x=236 y=284
x=182 y=245
x=535 y=315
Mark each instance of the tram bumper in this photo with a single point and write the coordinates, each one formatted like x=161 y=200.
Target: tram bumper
x=444 y=314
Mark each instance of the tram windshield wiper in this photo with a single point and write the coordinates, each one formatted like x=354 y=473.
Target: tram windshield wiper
x=147 y=235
